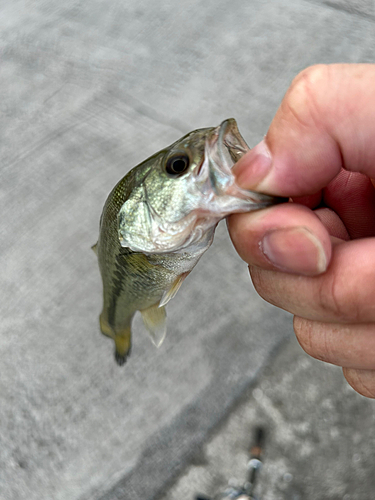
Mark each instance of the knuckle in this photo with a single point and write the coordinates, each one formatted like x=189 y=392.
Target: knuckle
x=332 y=298
x=312 y=73
x=303 y=331
x=302 y=99
x=257 y=277
x=314 y=339
x=263 y=284
x=362 y=381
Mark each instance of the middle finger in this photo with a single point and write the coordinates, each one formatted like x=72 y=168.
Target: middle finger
x=344 y=294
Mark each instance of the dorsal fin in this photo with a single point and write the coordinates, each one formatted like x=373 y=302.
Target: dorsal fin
x=94 y=248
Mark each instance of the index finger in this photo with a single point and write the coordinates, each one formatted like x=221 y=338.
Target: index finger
x=325 y=122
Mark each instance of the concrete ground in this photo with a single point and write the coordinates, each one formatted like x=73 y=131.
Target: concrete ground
x=88 y=90
x=319 y=437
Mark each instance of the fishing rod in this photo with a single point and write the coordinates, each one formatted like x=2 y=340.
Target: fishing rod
x=254 y=465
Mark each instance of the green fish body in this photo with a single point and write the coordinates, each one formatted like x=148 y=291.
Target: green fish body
x=159 y=220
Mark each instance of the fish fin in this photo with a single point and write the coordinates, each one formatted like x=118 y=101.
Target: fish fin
x=123 y=346
x=94 y=248
x=171 y=292
x=154 y=319
x=121 y=338
x=105 y=328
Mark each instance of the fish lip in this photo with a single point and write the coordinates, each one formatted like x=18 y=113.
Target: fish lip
x=220 y=194
x=224 y=147
x=229 y=137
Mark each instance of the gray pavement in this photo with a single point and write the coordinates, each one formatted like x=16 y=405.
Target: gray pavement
x=319 y=437
x=88 y=90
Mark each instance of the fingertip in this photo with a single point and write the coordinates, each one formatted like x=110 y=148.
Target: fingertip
x=253 y=167
x=278 y=166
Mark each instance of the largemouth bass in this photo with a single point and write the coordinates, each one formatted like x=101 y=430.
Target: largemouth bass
x=159 y=220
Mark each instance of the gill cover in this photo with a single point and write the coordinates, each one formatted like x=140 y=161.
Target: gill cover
x=141 y=229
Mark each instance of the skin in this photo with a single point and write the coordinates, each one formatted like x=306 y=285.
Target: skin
x=316 y=257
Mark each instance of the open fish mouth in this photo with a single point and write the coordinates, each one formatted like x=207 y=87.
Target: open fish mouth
x=231 y=146
x=220 y=195
x=224 y=147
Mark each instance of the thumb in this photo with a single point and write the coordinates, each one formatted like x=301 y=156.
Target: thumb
x=325 y=122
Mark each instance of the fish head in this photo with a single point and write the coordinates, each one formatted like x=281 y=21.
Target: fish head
x=185 y=190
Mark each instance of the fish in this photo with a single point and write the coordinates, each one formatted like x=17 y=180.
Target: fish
x=159 y=220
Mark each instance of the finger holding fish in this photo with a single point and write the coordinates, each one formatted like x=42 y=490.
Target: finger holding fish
x=288 y=237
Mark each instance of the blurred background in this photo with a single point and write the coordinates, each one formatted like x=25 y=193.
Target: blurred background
x=88 y=90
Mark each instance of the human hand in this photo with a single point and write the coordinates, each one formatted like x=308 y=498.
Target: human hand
x=316 y=257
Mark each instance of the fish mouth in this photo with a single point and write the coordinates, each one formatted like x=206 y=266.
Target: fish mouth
x=231 y=146
x=224 y=147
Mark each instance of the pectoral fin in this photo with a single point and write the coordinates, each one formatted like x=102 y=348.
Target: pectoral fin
x=169 y=294
x=154 y=319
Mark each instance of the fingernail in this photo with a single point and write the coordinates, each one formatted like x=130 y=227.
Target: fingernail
x=294 y=250
x=253 y=166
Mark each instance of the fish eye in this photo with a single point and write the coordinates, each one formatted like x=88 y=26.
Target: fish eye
x=177 y=164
